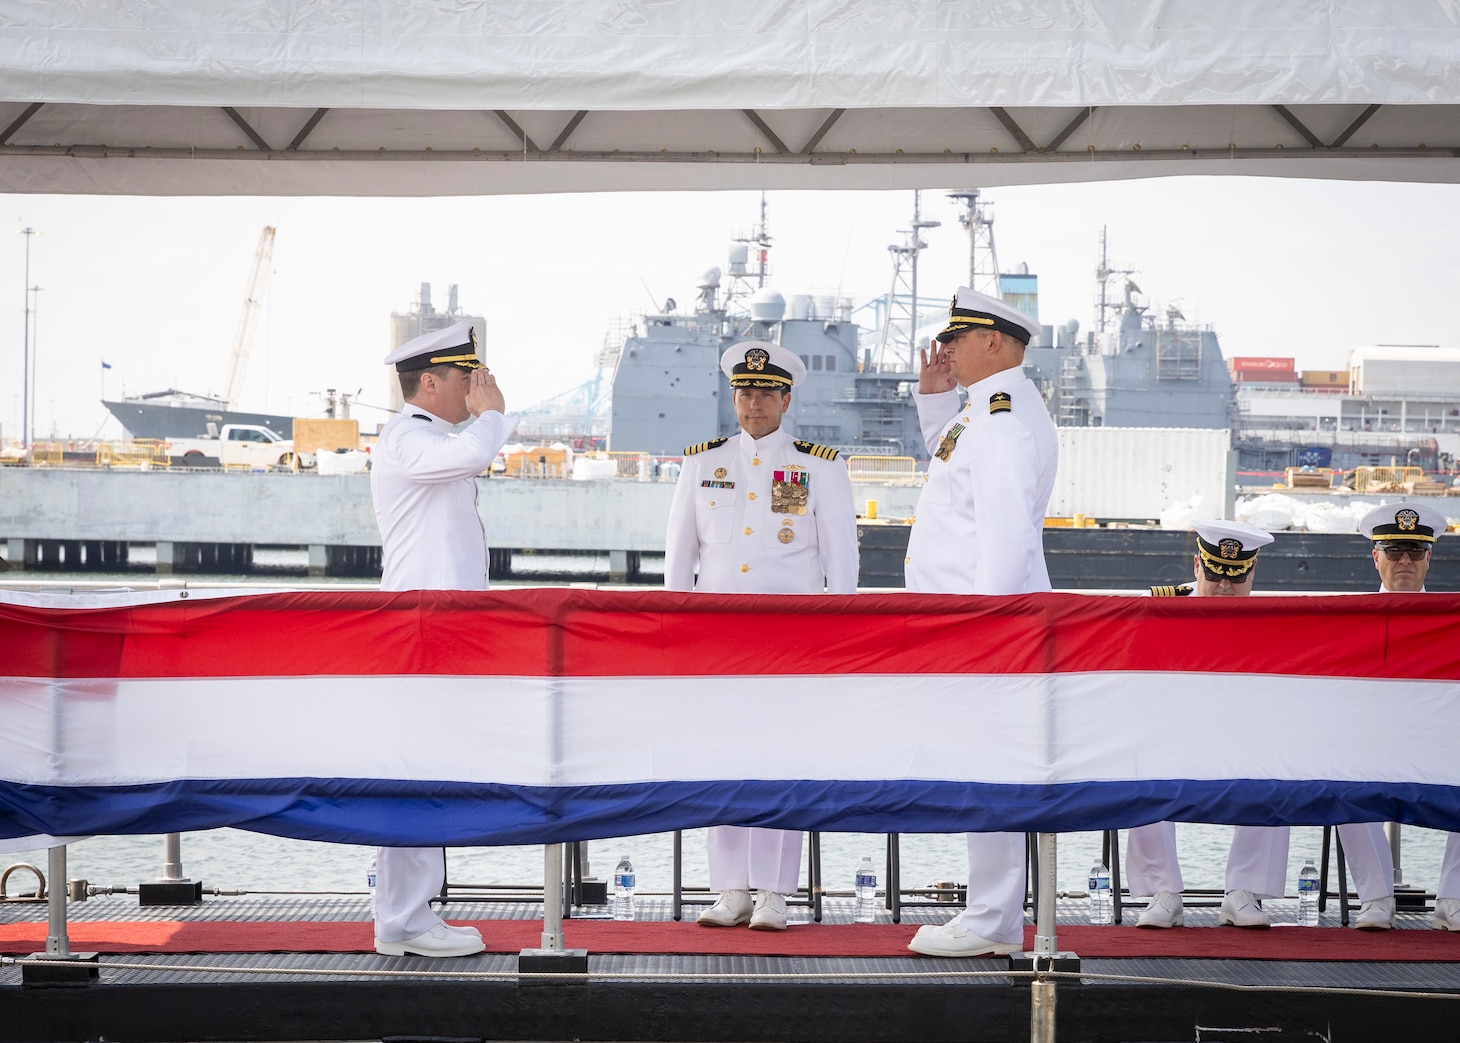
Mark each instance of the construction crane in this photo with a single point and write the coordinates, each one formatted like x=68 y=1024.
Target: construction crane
x=258 y=281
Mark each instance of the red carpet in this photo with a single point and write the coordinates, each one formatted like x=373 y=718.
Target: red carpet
x=866 y=940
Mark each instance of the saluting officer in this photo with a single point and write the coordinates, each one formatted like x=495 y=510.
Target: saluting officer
x=979 y=529
x=1404 y=537
x=760 y=513
x=423 y=481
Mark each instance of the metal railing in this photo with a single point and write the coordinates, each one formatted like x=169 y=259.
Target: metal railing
x=882 y=469
x=142 y=453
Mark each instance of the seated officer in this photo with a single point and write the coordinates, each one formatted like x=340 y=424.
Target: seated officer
x=1257 y=861
x=1404 y=536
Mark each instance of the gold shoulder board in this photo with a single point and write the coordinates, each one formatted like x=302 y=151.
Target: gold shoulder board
x=1000 y=402
x=713 y=443
x=826 y=452
x=1169 y=591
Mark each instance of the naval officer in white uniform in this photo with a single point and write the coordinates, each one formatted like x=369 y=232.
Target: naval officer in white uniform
x=1404 y=537
x=759 y=513
x=1257 y=862
x=423 y=481
x=979 y=529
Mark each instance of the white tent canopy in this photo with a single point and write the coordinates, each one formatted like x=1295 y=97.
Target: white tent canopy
x=421 y=97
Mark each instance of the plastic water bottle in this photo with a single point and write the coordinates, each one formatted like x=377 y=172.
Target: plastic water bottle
x=1102 y=909
x=622 y=906
x=370 y=885
x=1308 y=895
x=866 y=909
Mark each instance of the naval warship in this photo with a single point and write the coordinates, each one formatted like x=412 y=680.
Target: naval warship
x=1130 y=371
x=1137 y=367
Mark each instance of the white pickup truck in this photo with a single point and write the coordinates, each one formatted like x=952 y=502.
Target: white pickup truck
x=237 y=445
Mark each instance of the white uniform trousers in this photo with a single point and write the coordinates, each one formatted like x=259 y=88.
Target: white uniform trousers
x=1258 y=860
x=1150 y=860
x=406 y=879
x=750 y=858
x=996 y=887
x=1449 y=885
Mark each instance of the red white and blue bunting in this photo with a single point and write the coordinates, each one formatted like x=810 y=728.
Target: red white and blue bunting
x=534 y=716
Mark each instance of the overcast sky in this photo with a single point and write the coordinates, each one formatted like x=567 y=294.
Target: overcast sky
x=155 y=286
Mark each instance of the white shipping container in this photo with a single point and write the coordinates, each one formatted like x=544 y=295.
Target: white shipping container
x=1138 y=472
x=1413 y=370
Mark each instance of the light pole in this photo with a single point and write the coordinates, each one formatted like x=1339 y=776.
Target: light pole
x=35 y=360
x=25 y=432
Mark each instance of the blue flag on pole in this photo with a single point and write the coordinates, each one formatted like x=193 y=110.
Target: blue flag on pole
x=106 y=365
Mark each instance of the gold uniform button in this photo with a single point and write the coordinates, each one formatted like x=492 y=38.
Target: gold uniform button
x=755 y=462
x=751 y=496
x=747 y=530
x=745 y=568
x=906 y=560
x=712 y=503
x=965 y=420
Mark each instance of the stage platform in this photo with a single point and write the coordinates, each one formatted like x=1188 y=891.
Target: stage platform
x=300 y=968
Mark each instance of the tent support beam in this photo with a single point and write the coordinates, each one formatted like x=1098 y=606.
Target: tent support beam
x=253 y=135
x=1025 y=141
x=1297 y=124
x=307 y=129
x=822 y=131
x=511 y=124
x=567 y=131
x=1194 y=155
x=764 y=128
x=19 y=122
x=1354 y=126
x=1070 y=128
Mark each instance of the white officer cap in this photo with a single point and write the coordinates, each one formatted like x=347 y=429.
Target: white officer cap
x=972 y=310
x=1417 y=522
x=456 y=345
x=1228 y=549
x=761 y=364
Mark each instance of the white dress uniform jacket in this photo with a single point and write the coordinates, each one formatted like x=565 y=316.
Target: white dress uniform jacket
x=723 y=520
x=979 y=529
x=423 y=482
x=726 y=523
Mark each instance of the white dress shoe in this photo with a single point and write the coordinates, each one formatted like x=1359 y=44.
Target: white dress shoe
x=1164 y=910
x=1377 y=914
x=731 y=909
x=1447 y=914
x=1240 y=909
x=441 y=940
x=953 y=939
x=770 y=912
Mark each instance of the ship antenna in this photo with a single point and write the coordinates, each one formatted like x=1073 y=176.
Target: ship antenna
x=904 y=306
x=977 y=219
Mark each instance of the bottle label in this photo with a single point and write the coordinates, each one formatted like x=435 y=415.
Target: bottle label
x=1307 y=886
x=866 y=880
x=624 y=880
x=1099 y=883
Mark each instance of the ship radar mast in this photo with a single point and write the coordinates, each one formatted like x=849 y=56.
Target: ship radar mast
x=977 y=220
x=749 y=264
x=900 y=325
x=1103 y=273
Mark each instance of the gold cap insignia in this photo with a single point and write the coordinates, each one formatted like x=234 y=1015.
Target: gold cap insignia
x=1230 y=548
x=756 y=358
x=1406 y=520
